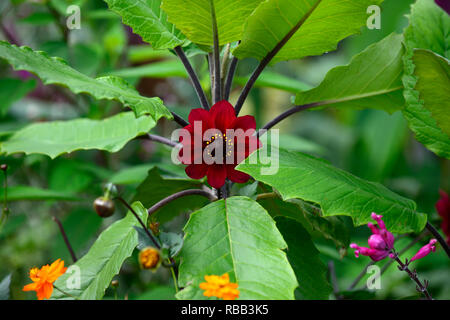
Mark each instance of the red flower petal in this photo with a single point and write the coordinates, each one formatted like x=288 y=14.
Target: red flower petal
x=222 y=115
x=196 y=171
x=235 y=175
x=217 y=175
x=199 y=115
x=245 y=123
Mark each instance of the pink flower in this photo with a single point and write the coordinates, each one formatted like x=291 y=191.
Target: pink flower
x=381 y=242
x=425 y=250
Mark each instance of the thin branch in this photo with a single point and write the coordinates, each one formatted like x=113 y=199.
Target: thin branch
x=230 y=77
x=266 y=60
x=333 y=280
x=66 y=239
x=439 y=238
x=422 y=288
x=140 y=222
x=156 y=138
x=193 y=76
x=268 y=195
x=179 y=119
x=286 y=114
x=217 y=87
x=58 y=18
x=178 y=195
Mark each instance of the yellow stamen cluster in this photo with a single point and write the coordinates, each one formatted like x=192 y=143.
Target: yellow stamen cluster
x=149 y=258
x=220 y=287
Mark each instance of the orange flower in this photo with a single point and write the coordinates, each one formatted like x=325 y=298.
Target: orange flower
x=149 y=258
x=220 y=287
x=43 y=279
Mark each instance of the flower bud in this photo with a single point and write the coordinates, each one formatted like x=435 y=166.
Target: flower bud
x=149 y=258
x=104 y=207
x=154 y=226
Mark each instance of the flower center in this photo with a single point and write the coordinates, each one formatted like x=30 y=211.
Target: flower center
x=217 y=141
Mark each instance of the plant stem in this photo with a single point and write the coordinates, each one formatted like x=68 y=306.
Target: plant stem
x=439 y=238
x=61 y=26
x=413 y=275
x=65 y=293
x=230 y=77
x=193 y=77
x=66 y=239
x=286 y=114
x=217 y=87
x=266 y=60
x=175 y=281
x=156 y=138
x=179 y=119
x=268 y=195
x=333 y=280
x=178 y=195
x=224 y=67
x=140 y=222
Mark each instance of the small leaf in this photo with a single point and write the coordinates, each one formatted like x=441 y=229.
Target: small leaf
x=371 y=80
x=149 y=21
x=172 y=241
x=104 y=259
x=235 y=236
x=12 y=90
x=304 y=258
x=56 y=71
x=58 y=137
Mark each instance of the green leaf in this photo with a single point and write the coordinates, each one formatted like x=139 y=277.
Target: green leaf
x=428 y=29
x=20 y=193
x=371 y=80
x=58 y=137
x=4 y=287
x=304 y=258
x=330 y=22
x=149 y=21
x=269 y=79
x=193 y=18
x=104 y=259
x=56 y=71
x=338 y=192
x=156 y=188
x=433 y=83
x=235 y=236
x=331 y=228
x=171 y=241
x=12 y=90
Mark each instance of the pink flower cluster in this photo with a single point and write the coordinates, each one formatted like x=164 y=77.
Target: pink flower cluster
x=381 y=243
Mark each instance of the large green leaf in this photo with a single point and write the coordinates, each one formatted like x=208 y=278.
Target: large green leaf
x=56 y=71
x=371 y=80
x=58 y=137
x=155 y=188
x=273 y=20
x=304 y=258
x=433 y=83
x=428 y=29
x=149 y=21
x=104 y=259
x=193 y=18
x=235 y=236
x=336 y=191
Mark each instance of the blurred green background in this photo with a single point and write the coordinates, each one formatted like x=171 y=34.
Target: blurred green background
x=371 y=144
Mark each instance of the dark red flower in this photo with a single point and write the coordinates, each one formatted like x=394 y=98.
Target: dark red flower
x=215 y=142
x=443 y=208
